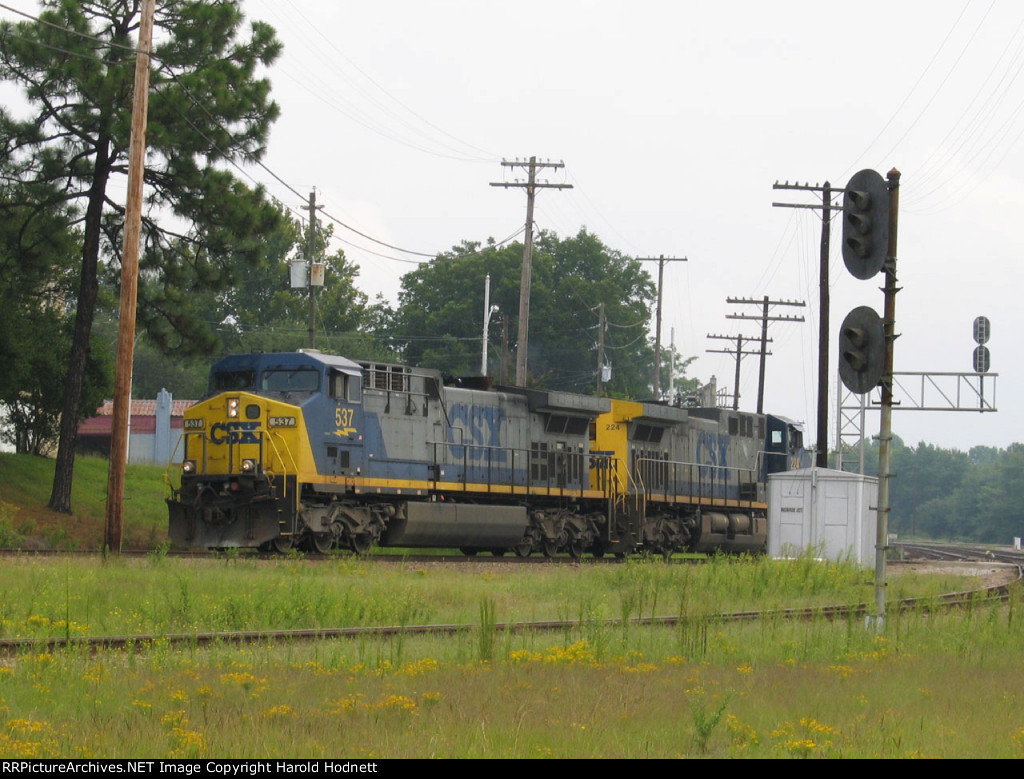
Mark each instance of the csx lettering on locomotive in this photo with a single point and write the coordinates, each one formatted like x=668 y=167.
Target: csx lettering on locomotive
x=483 y=426
x=234 y=433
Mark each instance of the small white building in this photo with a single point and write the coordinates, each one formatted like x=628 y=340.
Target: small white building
x=832 y=513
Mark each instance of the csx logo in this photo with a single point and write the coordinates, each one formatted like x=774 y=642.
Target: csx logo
x=234 y=433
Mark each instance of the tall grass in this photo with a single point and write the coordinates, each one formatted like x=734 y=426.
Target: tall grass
x=773 y=689
x=934 y=685
x=171 y=595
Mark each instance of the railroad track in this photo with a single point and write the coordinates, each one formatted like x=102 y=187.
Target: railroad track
x=961 y=552
x=142 y=642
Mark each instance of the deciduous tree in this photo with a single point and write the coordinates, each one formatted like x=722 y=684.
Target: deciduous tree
x=439 y=320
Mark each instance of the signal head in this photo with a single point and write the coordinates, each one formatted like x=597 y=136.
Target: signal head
x=861 y=350
x=865 y=223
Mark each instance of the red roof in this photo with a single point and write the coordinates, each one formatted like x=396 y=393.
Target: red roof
x=143 y=417
x=146 y=408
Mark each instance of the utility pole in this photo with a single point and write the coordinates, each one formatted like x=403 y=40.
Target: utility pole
x=504 y=349
x=531 y=185
x=823 y=303
x=740 y=354
x=765 y=319
x=310 y=254
x=129 y=287
x=657 y=327
x=600 y=348
x=489 y=311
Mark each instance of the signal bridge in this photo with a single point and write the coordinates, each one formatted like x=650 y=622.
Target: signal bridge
x=915 y=391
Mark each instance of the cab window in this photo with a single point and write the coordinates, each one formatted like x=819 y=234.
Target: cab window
x=293 y=380
x=346 y=387
x=233 y=381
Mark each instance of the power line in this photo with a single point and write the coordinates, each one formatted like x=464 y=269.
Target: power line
x=201 y=106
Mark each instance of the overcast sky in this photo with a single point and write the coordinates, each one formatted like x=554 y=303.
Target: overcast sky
x=674 y=119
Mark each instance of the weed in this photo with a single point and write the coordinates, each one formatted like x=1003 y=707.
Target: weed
x=158 y=554
x=488 y=631
x=705 y=719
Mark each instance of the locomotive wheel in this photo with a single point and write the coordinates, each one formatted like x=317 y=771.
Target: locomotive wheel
x=281 y=544
x=498 y=552
x=576 y=549
x=523 y=549
x=597 y=550
x=549 y=547
x=360 y=543
x=322 y=542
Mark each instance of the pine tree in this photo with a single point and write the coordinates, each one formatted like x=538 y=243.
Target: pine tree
x=208 y=107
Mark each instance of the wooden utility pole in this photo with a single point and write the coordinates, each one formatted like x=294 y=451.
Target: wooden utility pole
x=764 y=319
x=740 y=354
x=657 y=327
x=531 y=185
x=310 y=254
x=823 y=304
x=129 y=287
x=600 y=348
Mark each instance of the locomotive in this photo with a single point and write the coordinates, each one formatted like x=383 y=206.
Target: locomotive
x=318 y=451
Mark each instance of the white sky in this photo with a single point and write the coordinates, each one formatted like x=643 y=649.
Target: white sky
x=674 y=119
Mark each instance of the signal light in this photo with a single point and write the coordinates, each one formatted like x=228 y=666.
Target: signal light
x=865 y=224
x=861 y=350
x=982 y=359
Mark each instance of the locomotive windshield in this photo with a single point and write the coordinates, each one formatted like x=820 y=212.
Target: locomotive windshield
x=233 y=381
x=291 y=380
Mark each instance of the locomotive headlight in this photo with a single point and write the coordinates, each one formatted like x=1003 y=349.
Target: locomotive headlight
x=248 y=465
x=188 y=467
x=233 y=408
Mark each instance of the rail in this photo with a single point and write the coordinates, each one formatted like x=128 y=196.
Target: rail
x=967 y=599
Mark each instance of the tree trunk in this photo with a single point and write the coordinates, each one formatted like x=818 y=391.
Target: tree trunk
x=60 y=496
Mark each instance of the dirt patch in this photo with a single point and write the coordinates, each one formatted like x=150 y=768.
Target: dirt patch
x=990 y=574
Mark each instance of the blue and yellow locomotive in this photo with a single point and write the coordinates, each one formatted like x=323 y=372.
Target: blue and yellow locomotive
x=320 y=451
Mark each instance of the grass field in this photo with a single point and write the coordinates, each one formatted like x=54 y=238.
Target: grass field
x=934 y=685
x=25 y=522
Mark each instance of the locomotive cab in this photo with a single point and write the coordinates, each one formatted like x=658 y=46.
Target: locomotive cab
x=248 y=447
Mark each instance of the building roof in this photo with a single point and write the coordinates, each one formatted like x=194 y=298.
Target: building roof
x=146 y=408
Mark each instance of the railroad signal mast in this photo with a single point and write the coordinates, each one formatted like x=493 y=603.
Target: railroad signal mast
x=870 y=220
